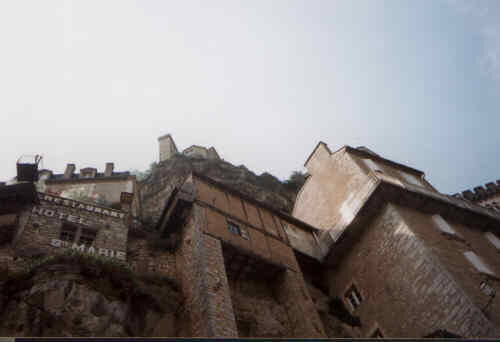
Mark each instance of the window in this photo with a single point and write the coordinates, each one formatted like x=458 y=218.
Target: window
x=353 y=297
x=377 y=334
x=237 y=230
x=443 y=226
x=87 y=237
x=495 y=241
x=77 y=235
x=68 y=233
x=476 y=261
x=233 y=228
x=411 y=179
x=372 y=165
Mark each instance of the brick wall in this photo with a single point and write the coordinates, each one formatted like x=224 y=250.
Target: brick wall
x=405 y=289
x=450 y=252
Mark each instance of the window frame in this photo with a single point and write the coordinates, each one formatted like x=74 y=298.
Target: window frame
x=85 y=236
x=238 y=230
x=353 y=296
x=78 y=232
x=233 y=228
x=443 y=226
x=68 y=229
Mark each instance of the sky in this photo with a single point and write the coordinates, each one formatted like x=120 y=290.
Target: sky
x=90 y=82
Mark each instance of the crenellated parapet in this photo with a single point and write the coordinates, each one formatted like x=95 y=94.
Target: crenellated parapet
x=168 y=149
x=480 y=193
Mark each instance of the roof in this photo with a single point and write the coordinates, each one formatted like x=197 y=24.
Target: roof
x=249 y=199
x=367 y=150
x=480 y=193
x=363 y=151
x=99 y=175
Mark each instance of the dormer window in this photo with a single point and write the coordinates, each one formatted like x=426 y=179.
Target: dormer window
x=411 y=179
x=372 y=165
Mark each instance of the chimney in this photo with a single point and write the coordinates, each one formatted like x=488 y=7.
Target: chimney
x=70 y=169
x=108 y=172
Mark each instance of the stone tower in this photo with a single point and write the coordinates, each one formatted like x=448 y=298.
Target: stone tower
x=167 y=147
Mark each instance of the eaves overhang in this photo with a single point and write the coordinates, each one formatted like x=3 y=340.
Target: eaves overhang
x=281 y=214
x=376 y=157
x=388 y=191
x=89 y=180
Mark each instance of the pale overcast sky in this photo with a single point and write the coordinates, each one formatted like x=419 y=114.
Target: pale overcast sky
x=89 y=82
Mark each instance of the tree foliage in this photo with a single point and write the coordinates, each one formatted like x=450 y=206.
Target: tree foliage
x=142 y=175
x=295 y=181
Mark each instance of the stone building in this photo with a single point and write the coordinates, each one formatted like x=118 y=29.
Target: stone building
x=103 y=188
x=168 y=148
x=371 y=249
x=487 y=196
x=50 y=224
x=403 y=257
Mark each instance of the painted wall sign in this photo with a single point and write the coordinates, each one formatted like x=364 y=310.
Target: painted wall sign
x=79 y=205
x=89 y=250
x=60 y=215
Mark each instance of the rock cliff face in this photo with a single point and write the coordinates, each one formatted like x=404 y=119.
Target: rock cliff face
x=70 y=296
x=169 y=173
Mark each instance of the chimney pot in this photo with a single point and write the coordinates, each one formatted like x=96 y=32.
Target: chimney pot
x=468 y=195
x=491 y=188
x=108 y=172
x=70 y=169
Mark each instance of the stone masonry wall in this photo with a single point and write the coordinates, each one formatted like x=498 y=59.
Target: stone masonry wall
x=450 y=252
x=143 y=259
x=326 y=197
x=257 y=310
x=41 y=224
x=405 y=291
x=200 y=267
